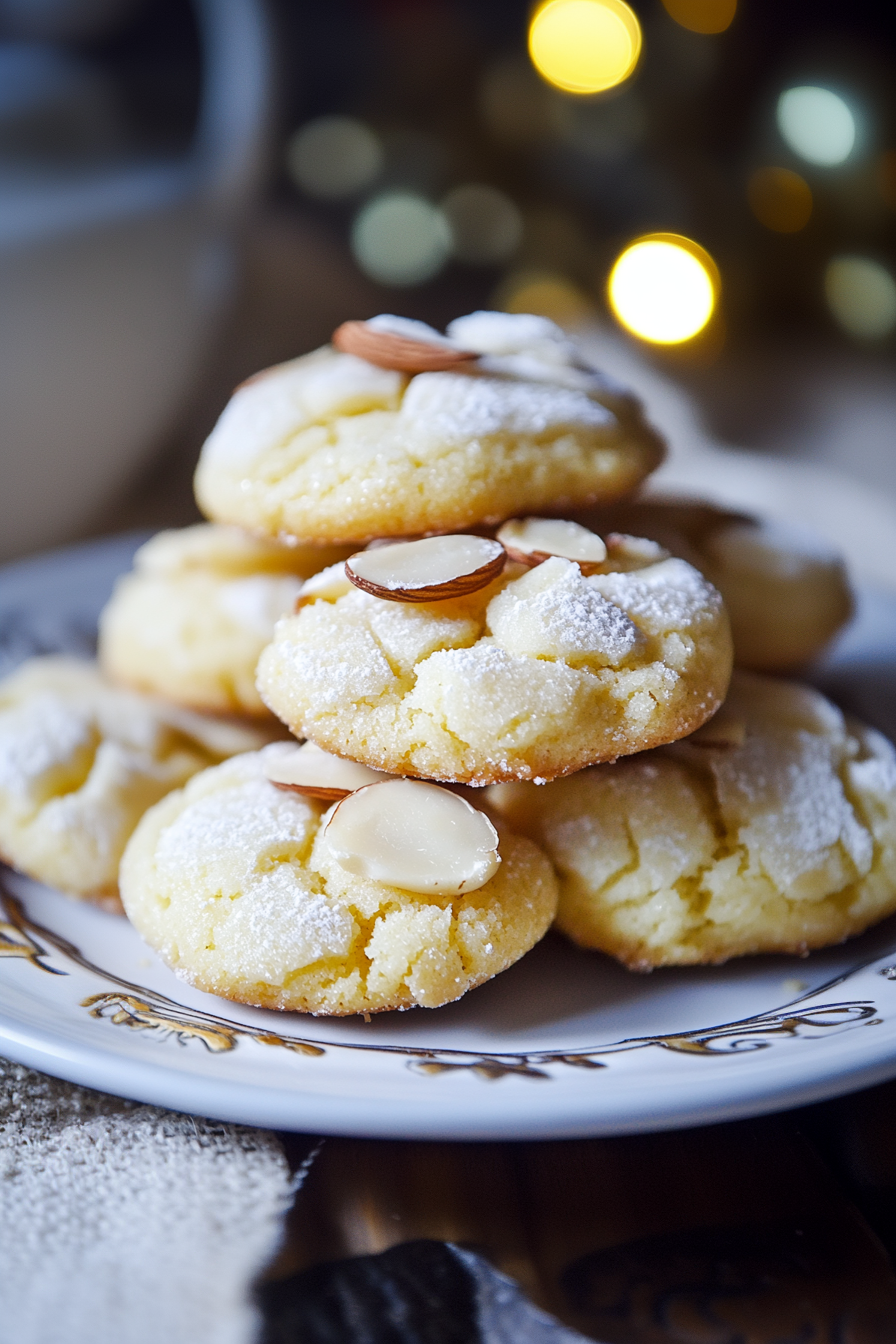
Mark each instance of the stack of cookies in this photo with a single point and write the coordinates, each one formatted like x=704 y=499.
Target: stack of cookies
x=505 y=682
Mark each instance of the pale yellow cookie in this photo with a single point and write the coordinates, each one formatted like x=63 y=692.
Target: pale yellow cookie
x=201 y=603
x=81 y=761
x=786 y=589
x=773 y=829
x=536 y=675
x=234 y=883
x=334 y=448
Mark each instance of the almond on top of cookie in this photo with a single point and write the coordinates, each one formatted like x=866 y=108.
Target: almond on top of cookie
x=340 y=447
x=539 y=672
x=401 y=895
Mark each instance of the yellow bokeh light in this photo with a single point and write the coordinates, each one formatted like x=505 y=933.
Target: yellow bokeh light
x=780 y=199
x=584 y=46
x=663 y=288
x=702 y=16
x=547 y=293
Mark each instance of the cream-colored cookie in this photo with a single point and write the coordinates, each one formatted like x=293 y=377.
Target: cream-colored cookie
x=236 y=886
x=786 y=589
x=201 y=603
x=81 y=761
x=536 y=675
x=773 y=829
x=334 y=448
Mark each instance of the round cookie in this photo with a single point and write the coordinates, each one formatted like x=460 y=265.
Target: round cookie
x=786 y=589
x=81 y=761
x=334 y=448
x=773 y=829
x=201 y=603
x=233 y=883
x=536 y=675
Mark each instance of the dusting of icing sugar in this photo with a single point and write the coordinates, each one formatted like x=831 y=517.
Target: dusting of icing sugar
x=257 y=602
x=410 y=328
x=493 y=333
x=278 y=925
x=345 y=385
x=671 y=595
x=785 y=797
x=456 y=408
x=333 y=677
x=46 y=732
x=222 y=838
x=553 y=612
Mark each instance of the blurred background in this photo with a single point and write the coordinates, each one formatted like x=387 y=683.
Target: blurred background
x=193 y=189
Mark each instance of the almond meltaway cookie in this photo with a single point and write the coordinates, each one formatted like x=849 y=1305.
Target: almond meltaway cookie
x=538 y=673
x=772 y=829
x=494 y=419
x=201 y=603
x=81 y=761
x=786 y=589
x=401 y=894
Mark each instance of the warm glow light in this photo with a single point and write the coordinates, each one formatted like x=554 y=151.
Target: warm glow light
x=547 y=293
x=584 y=46
x=702 y=16
x=861 y=294
x=663 y=288
x=780 y=199
x=400 y=239
x=816 y=124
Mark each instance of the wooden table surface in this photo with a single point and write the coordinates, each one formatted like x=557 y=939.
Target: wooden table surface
x=779 y=1230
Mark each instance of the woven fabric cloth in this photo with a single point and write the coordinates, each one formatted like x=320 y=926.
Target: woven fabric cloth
x=126 y=1224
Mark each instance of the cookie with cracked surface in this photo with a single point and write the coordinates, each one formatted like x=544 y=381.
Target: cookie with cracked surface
x=538 y=674
x=192 y=617
x=81 y=761
x=236 y=886
x=334 y=448
x=786 y=588
x=773 y=829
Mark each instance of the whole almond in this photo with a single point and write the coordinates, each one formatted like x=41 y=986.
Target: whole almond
x=389 y=351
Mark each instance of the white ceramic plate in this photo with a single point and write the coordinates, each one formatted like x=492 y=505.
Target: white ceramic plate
x=565 y=1043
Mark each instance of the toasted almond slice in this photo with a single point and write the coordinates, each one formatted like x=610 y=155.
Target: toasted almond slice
x=530 y=541
x=318 y=774
x=413 y=835
x=389 y=351
x=328 y=585
x=724 y=730
x=432 y=570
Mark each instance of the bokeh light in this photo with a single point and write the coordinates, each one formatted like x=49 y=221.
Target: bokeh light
x=334 y=157
x=584 y=46
x=663 y=288
x=780 y=199
x=817 y=124
x=400 y=239
x=702 y=16
x=485 y=225
x=861 y=295
x=547 y=293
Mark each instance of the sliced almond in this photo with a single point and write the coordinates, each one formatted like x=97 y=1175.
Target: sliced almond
x=530 y=541
x=318 y=774
x=331 y=583
x=389 y=351
x=432 y=570
x=413 y=835
x=626 y=553
x=725 y=730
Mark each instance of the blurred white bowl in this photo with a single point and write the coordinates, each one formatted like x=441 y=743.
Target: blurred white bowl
x=110 y=286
